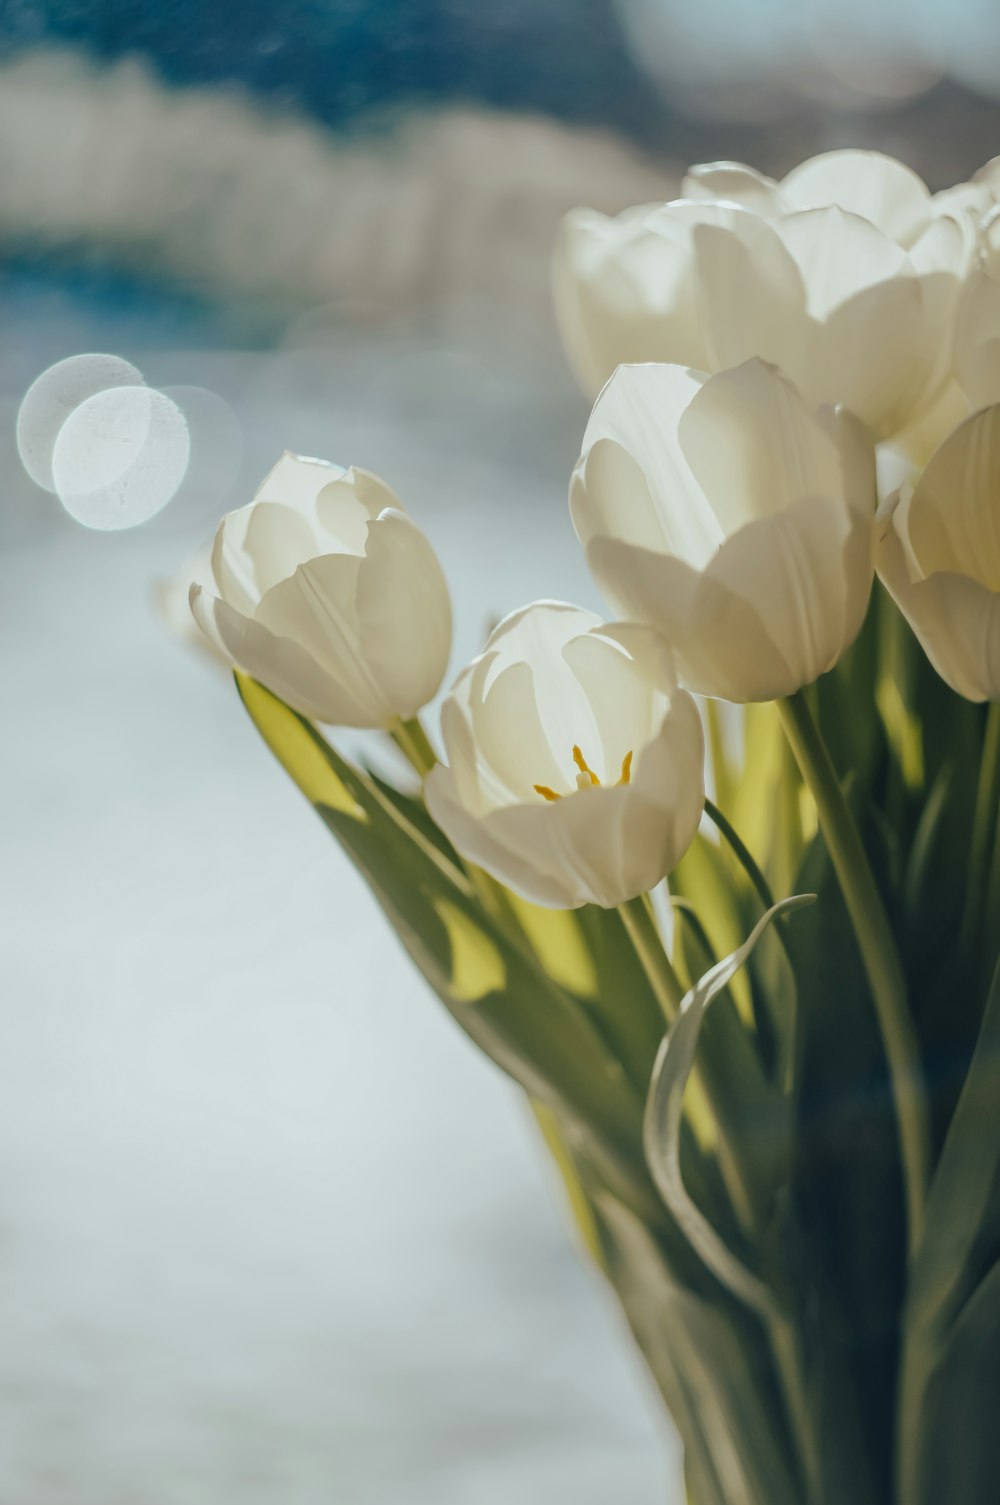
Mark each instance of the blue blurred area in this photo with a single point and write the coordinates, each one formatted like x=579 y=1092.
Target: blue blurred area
x=343 y=59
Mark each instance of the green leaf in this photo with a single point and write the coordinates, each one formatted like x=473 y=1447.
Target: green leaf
x=664 y=1113
x=847 y=1192
x=949 y=1447
x=713 y=1367
x=959 y=1248
x=497 y=992
x=588 y=953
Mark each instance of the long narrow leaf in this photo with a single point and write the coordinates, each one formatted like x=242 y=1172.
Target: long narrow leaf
x=963 y=1207
x=664 y=1111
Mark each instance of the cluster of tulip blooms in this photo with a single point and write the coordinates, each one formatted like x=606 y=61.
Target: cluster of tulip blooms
x=765 y=358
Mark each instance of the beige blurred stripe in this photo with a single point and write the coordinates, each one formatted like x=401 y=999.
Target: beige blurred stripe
x=450 y=209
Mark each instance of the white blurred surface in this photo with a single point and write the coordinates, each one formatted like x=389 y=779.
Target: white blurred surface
x=270 y=1228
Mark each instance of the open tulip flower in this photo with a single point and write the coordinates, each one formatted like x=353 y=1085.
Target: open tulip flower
x=783 y=1150
x=327 y=593
x=575 y=764
x=719 y=509
x=845 y=275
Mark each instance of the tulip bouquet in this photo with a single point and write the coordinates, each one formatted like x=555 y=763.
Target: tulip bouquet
x=779 y=1132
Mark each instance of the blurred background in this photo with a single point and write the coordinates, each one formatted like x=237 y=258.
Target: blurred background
x=269 y=1228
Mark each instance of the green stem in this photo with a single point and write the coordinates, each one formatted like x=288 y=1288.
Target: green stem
x=646 y=939
x=742 y=853
x=983 y=824
x=410 y=737
x=877 y=947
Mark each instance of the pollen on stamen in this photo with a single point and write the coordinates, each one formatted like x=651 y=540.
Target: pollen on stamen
x=626 y=777
x=546 y=792
x=584 y=766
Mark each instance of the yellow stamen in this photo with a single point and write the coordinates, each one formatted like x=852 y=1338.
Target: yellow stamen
x=586 y=778
x=584 y=766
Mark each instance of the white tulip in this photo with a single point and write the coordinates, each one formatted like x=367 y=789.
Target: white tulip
x=575 y=765
x=939 y=556
x=844 y=275
x=328 y=594
x=722 y=511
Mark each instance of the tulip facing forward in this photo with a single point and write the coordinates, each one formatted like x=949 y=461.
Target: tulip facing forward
x=845 y=275
x=575 y=764
x=330 y=596
x=723 y=512
x=939 y=556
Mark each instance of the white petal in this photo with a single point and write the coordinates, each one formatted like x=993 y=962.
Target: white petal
x=475 y=786
x=609 y=494
x=232 y=568
x=956 y=620
x=624 y=290
x=750 y=292
x=520 y=707
x=626 y=706
x=719 y=641
x=753 y=448
x=244 y=543
x=876 y=355
x=404 y=613
x=951 y=520
x=868 y=345
x=346 y=506
x=276 y=541
x=597 y=846
x=511 y=740
x=948 y=245
x=856 y=453
x=971 y=200
x=282 y=666
x=977 y=339
x=735 y=183
x=296 y=481
x=929 y=429
x=879 y=189
x=807 y=572
x=316 y=608
x=640 y=410
x=839 y=255
x=509 y=857
x=670 y=769
x=538 y=630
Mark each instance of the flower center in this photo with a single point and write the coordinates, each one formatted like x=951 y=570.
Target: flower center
x=586 y=778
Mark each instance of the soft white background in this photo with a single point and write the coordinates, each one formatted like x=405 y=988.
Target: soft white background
x=270 y=1228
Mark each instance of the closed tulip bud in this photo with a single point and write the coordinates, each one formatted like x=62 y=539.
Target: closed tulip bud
x=722 y=511
x=575 y=765
x=939 y=556
x=328 y=594
x=845 y=275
